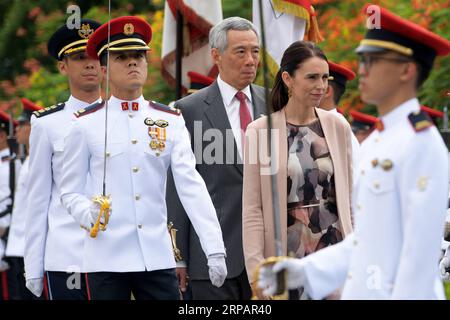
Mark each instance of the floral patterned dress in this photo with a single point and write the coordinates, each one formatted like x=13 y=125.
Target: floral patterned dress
x=313 y=221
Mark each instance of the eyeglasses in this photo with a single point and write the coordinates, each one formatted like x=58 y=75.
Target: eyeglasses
x=368 y=60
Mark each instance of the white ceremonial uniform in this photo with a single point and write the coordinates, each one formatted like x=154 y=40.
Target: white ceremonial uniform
x=400 y=200
x=5 y=200
x=53 y=240
x=136 y=238
x=5 y=190
x=16 y=237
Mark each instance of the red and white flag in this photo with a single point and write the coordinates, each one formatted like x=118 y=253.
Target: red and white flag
x=199 y=16
x=285 y=21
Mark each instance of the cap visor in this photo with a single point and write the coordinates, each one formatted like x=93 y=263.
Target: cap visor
x=365 y=48
x=129 y=48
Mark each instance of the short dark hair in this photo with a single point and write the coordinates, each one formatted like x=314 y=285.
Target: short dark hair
x=104 y=59
x=297 y=53
x=422 y=74
x=423 y=69
x=338 y=91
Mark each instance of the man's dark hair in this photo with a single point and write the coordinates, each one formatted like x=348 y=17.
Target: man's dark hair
x=338 y=91
x=422 y=74
x=104 y=59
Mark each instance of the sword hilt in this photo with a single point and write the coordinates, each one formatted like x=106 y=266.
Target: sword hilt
x=281 y=292
x=105 y=208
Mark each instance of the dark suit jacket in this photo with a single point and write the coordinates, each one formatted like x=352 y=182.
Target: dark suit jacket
x=223 y=180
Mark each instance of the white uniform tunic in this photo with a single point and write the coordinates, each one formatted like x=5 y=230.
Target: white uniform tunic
x=53 y=239
x=400 y=200
x=136 y=238
x=5 y=189
x=16 y=237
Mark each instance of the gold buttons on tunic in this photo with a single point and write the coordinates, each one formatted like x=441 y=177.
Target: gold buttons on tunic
x=133 y=141
x=374 y=162
x=137 y=196
x=422 y=183
x=376 y=184
x=140 y=225
x=135 y=169
x=108 y=154
x=387 y=164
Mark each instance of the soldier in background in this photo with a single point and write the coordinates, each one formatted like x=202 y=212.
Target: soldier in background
x=362 y=124
x=16 y=238
x=337 y=83
x=54 y=240
x=4 y=197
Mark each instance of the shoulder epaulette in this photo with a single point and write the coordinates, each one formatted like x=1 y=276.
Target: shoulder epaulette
x=5 y=158
x=49 y=110
x=163 y=107
x=420 y=120
x=89 y=109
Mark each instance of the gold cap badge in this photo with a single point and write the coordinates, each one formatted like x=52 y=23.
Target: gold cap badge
x=128 y=29
x=85 y=31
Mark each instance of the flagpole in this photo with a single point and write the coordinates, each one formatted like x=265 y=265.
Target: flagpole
x=179 y=55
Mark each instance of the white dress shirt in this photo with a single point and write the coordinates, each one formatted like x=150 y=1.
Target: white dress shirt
x=232 y=106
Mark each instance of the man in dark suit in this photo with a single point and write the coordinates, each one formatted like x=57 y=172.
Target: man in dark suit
x=216 y=118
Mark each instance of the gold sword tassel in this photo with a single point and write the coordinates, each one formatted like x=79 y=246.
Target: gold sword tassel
x=105 y=208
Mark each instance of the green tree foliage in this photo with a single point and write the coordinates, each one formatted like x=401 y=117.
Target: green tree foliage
x=26 y=25
x=342 y=26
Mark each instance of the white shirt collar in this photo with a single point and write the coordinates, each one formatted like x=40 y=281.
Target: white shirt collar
x=228 y=92
x=140 y=100
x=400 y=113
x=4 y=152
x=74 y=104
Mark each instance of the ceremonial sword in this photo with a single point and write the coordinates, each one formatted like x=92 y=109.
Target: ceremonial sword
x=103 y=200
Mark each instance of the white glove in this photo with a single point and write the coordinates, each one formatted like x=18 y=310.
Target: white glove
x=95 y=211
x=295 y=275
x=2 y=231
x=3 y=265
x=445 y=264
x=35 y=285
x=217 y=269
